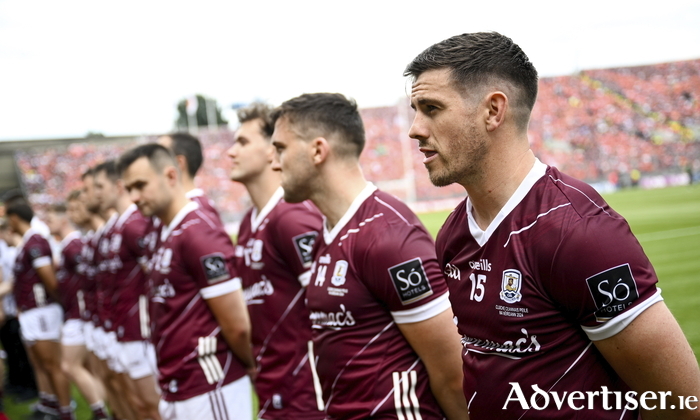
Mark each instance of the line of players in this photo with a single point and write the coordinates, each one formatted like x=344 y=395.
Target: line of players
x=348 y=314
x=387 y=341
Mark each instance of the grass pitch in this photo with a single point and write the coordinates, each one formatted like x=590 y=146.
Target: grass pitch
x=667 y=224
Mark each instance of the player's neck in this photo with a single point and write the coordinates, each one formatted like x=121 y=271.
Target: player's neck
x=262 y=188
x=123 y=203
x=179 y=201
x=65 y=231
x=96 y=222
x=187 y=183
x=22 y=228
x=494 y=189
x=340 y=190
x=108 y=213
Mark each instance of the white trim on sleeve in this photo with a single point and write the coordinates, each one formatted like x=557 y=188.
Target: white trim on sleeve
x=304 y=278
x=221 y=289
x=42 y=262
x=617 y=324
x=421 y=313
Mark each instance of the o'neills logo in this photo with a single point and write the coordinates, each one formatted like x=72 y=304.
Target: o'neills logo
x=343 y=318
x=483 y=265
x=261 y=288
x=527 y=344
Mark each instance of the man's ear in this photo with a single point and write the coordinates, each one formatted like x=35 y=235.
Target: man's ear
x=320 y=148
x=181 y=163
x=171 y=175
x=496 y=105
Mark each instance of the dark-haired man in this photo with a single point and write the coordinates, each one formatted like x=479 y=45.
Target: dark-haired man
x=40 y=315
x=554 y=296
x=122 y=251
x=275 y=240
x=188 y=152
x=200 y=326
x=382 y=325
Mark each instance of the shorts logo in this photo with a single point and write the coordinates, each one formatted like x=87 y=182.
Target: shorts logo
x=215 y=268
x=510 y=286
x=410 y=281
x=613 y=291
x=339 y=272
x=304 y=245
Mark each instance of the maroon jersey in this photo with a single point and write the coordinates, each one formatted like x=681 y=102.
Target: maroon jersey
x=274 y=258
x=194 y=261
x=90 y=241
x=70 y=276
x=127 y=255
x=375 y=269
x=205 y=204
x=104 y=277
x=33 y=253
x=556 y=269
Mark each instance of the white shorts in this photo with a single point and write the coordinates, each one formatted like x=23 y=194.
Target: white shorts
x=137 y=358
x=41 y=324
x=88 y=333
x=73 y=333
x=230 y=402
x=98 y=344
x=112 y=352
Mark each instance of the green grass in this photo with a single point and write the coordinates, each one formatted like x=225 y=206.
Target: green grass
x=667 y=224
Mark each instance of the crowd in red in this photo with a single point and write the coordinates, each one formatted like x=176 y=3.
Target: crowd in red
x=596 y=125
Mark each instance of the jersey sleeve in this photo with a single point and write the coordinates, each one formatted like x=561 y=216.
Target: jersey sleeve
x=134 y=237
x=601 y=277
x=39 y=252
x=208 y=257
x=298 y=231
x=401 y=270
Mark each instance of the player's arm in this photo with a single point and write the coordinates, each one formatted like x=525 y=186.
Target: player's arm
x=436 y=341
x=47 y=274
x=652 y=354
x=231 y=313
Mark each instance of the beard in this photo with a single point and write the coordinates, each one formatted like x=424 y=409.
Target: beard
x=463 y=164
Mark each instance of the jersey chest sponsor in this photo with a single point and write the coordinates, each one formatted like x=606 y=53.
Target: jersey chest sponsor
x=252 y=253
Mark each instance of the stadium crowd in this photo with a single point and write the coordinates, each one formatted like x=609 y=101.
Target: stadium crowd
x=159 y=303
x=597 y=125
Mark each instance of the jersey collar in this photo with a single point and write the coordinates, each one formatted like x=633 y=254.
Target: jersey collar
x=73 y=235
x=122 y=217
x=187 y=209
x=329 y=236
x=257 y=219
x=197 y=192
x=482 y=236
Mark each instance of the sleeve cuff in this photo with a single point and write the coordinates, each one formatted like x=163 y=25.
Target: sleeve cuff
x=304 y=278
x=423 y=312
x=221 y=289
x=617 y=324
x=41 y=262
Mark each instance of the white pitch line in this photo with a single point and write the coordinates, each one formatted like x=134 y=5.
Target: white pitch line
x=669 y=234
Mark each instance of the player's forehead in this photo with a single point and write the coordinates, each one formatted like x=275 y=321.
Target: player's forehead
x=283 y=133
x=140 y=170
x=433 y=84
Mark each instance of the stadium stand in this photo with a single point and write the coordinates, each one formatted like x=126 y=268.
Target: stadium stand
x=611 y=126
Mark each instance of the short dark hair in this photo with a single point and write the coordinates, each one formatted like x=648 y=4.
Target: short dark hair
x=109 y=168
x=14 y=196
x=325 y=114
x=73 y=195
x=157 y=155
x=255 y=111
x=474 y=58
x=187 y=145
x=87 y=173
x=59 y=208
x=21 y=210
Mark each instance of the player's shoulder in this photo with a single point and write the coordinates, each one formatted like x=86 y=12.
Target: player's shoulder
x=388 y=210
